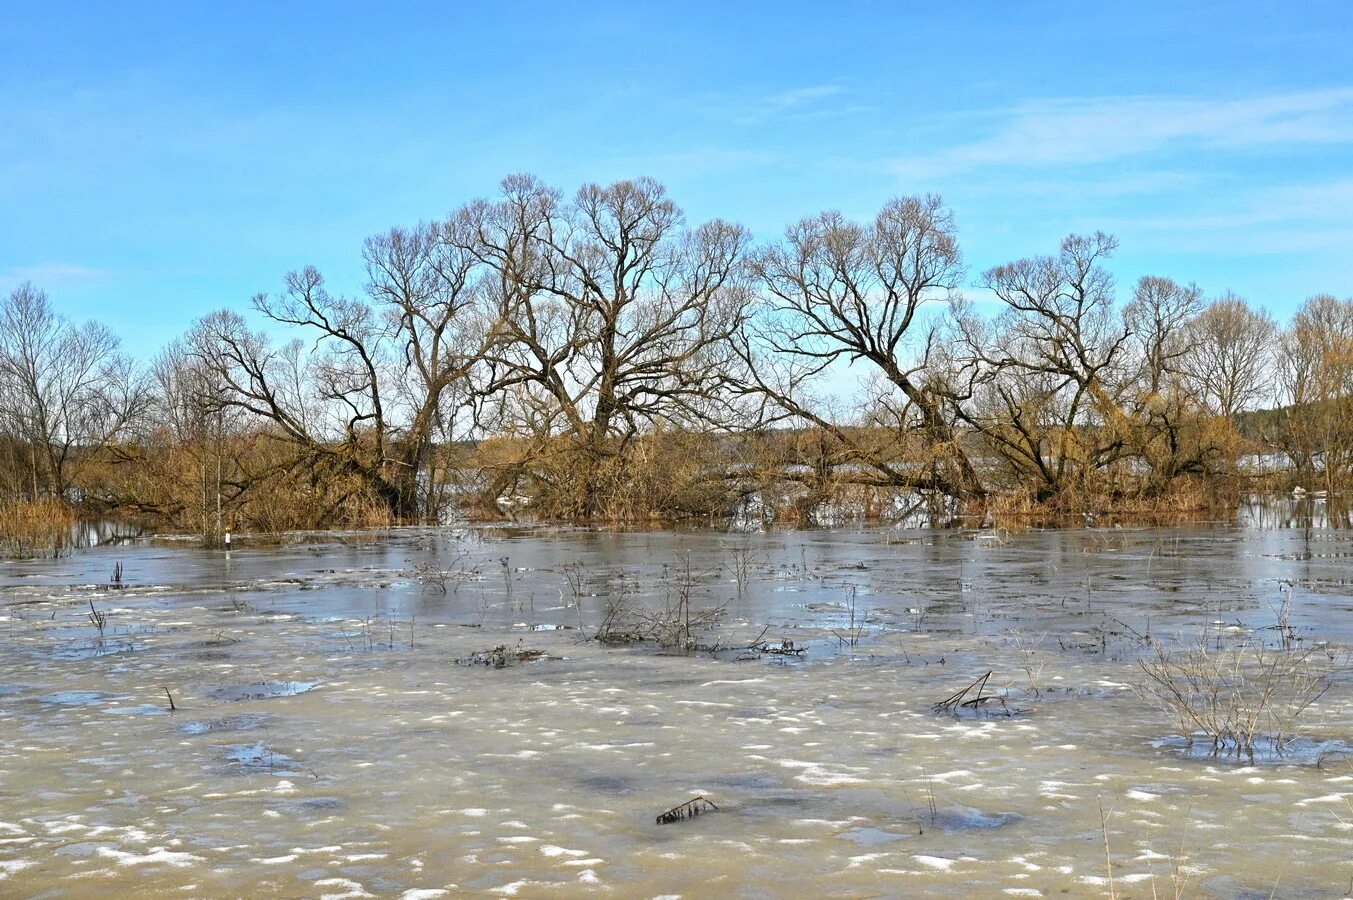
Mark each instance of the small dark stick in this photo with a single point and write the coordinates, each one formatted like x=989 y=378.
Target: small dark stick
x=99 y=619
x=172 y=707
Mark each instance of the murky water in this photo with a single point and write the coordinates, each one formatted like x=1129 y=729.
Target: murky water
x=329 y=737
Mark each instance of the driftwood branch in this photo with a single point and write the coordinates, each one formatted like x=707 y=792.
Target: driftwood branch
x=961 y=699
x=688 y=810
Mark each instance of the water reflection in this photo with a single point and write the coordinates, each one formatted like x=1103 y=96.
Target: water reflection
x=89 y=533
x=1306 y=511
x=1264 y=511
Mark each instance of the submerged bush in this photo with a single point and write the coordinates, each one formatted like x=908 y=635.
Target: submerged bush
x=1237 y=699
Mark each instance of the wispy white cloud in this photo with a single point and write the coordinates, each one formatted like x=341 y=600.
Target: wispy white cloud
x=811 y=102
x=51 y=276
x=695 y=162
x=801 y=96
x=1105 y=186
x=1070 y=132
x=1320 y=202
x=1310 y=218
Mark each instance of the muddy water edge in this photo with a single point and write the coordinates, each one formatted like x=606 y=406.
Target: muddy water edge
x=344 y=722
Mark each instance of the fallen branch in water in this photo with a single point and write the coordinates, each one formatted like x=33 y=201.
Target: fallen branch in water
x=688 y=810
x=960 y=699
x=786 y=648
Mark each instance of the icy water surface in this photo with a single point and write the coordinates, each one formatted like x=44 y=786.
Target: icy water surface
x=331 y=737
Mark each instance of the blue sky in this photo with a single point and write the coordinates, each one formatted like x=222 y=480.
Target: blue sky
x=158 y=161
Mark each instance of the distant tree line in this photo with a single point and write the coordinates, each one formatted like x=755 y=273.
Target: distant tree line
x=596 y=356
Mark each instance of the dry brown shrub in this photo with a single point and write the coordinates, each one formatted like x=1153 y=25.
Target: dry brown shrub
x=666 y=475
x=36 y=528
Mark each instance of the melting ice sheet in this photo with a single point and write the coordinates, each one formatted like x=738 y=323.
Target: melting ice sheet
x=323 y=739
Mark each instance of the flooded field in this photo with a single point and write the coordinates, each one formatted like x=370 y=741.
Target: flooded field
x=422 y=713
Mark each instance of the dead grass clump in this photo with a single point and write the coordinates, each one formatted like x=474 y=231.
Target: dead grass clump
x=665 y=475
x=435 y=576
x=98 y=619
x=1238 y=700
x=856 y=631
x=1030 y=659
x=1179 y=500
x=620 y=624
x=1012 y=511
x=36 y=528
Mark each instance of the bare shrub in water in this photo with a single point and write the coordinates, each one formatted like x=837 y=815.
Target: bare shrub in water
x=677 y=625
x=1237 y=699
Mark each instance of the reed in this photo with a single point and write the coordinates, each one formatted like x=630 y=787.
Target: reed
x=36 y=528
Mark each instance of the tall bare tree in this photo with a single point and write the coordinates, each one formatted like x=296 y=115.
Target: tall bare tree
x=1314 y=427
x=191 y=449
x=1158 y=319
x=610 y=317
x=1231 y=358
x=367 y=400
x=1046 y=378
x=837 y=293
x=1171 y=430
x=67 y=391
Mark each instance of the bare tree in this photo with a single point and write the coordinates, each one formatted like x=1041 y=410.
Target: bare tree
x=610 y=317
x=1047 y=377
x=367 y=400
x=1314 y=427
x=1231 y=357
x=189 y=448
x=594 y=352
x=67 y=391
x=1172 y=433
x=838 y=293
x=1161 y=340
